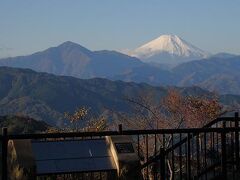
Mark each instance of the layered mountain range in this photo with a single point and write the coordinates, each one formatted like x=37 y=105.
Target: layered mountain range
x=44 y=96
x=218 y=72
x=215 y=74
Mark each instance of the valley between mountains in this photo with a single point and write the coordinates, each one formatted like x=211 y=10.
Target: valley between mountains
x=46 y=97
x=191 y=66
x=59 y=79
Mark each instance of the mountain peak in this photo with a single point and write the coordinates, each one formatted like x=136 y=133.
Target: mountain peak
x=169 y=43
x=69 y=44
x=168 y=37
x=172 y=45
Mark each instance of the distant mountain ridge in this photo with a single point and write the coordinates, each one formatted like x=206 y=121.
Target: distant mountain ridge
x=223 y=55
x=215 y=74
x=72 y=59
x=218 y=72
x=168 y=49
x=46 y=97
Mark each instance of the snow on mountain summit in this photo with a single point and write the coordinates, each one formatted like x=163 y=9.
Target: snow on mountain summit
x=168 y=48
x=171 y=44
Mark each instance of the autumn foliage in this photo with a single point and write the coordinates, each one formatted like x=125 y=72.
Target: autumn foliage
x=173 y=111
x=81 y=120
x=190 y=111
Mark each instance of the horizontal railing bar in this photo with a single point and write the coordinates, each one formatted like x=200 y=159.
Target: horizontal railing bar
x=233 y=119
x=227 y=118
x=62 y=135
x=105 y=133
x=124 y=132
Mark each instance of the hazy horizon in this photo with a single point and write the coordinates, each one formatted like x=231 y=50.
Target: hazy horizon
x=31 y=26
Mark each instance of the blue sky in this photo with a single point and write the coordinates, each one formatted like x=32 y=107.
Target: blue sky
x=27 y=26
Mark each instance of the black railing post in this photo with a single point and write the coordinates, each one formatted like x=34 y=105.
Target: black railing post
x=224 y=154
x=224 y=124
x=147 y=155
x=162 y=164
x=237 y=140
x=188 y=156
x=198 y=153
x=4 y=153
x=120 y=128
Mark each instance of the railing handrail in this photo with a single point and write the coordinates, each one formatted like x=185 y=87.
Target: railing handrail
x=205 y=128
x=217 y=120
x=191 y=132
x=107 y=133
x=124 y=132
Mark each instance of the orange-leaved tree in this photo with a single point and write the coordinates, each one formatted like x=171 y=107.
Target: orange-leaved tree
x=81 y=120
x=172 y=111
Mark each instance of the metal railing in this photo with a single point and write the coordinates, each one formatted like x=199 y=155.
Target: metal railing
x=194 y=153
x=206 y=153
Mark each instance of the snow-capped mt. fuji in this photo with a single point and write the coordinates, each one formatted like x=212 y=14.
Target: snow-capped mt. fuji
x=168 y=49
